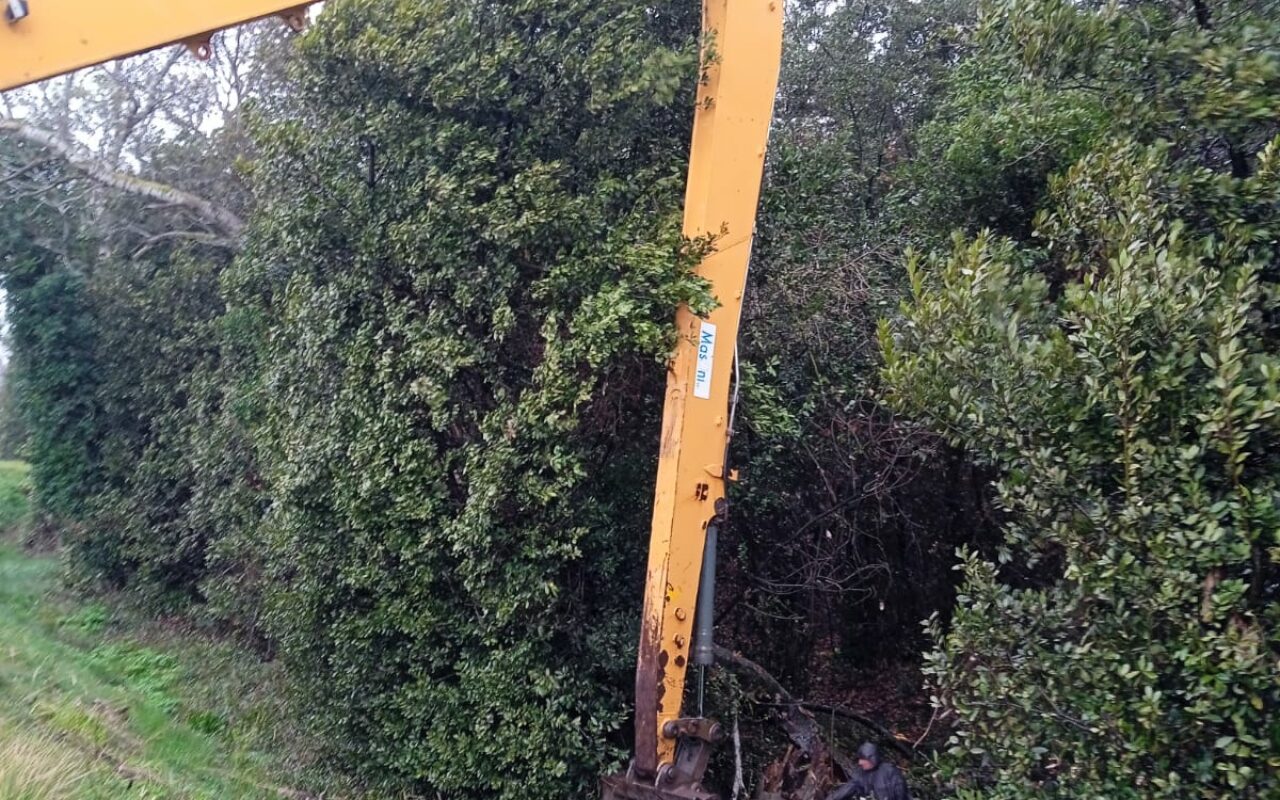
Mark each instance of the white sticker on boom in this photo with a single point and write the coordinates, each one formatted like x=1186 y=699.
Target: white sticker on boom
x=706 y=356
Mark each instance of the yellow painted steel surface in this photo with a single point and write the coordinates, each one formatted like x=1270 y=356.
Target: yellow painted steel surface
x=59 y=36
x=731 y=128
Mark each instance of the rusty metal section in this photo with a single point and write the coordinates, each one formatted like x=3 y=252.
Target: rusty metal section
x=648 y=697
x=296 y=17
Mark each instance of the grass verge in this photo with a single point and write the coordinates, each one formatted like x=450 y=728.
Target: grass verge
x=99 y=704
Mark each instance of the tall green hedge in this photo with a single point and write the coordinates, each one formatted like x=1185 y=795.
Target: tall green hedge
x=463 y=270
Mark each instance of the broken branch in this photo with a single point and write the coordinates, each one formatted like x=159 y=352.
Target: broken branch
x=799 y=724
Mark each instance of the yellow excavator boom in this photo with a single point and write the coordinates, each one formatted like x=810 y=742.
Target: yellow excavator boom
x=43 y=38
x=742 y=45
x=742 y=53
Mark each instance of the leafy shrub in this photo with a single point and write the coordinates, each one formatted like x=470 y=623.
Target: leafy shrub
x=1119 y=367
x=463 y=269
x=52 y=340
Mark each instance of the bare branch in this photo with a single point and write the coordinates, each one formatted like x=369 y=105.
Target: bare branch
x=213 y=214
x=745 y=666
x=201 y=237
x=143 y=101
x=885 y=734
x=799 y=724
x=18 y=172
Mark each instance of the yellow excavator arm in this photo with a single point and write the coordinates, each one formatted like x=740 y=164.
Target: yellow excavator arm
x=742 y=50
x=742 y=44
x=44 y=38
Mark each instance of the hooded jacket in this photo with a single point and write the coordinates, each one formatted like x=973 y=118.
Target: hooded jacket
x=882 y=782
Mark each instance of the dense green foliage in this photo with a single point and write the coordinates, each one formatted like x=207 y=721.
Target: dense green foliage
x=51 y=335
x=106 y=347
x=466 y=253
x=1117 y=362
x=155 y=342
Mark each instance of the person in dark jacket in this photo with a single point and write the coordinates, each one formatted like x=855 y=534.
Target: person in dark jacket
x=874 y=780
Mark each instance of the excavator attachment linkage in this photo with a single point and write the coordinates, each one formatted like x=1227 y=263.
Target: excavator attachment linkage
x=680 y=779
